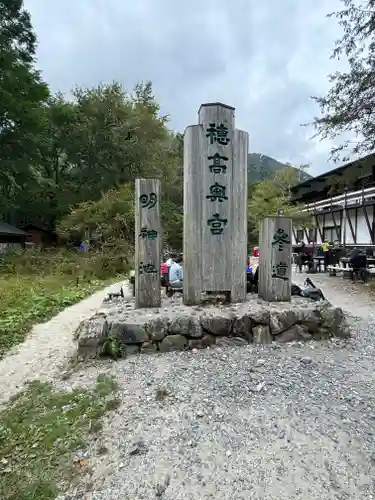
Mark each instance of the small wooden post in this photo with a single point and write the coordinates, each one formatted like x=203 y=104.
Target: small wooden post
x=275 y=259
x=148 y=241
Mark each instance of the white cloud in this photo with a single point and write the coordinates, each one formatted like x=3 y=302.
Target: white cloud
x=265 y=60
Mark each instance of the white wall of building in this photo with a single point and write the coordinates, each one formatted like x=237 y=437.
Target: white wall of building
x=327 y=227
x=362 y=228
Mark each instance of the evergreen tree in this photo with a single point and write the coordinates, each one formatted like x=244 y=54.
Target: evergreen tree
x=21 y=94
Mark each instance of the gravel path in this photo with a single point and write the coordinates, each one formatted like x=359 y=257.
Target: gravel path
x=354 y=298
x=48 y=347
x=270 y=423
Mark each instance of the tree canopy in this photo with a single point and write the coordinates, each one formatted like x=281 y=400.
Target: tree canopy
x=273 y=196
x=22 y=96
x=348 y=109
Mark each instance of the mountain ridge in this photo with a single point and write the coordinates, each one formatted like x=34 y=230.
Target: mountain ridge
x=261 y=167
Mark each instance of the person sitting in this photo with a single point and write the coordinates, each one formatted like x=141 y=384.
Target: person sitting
x=171 y=259
x=358 y=262
x=248 y=266
x=164 y=273
x=304 y=257
x=176 y=274
x=256 y=278
x=249 y=276
x=326 y=254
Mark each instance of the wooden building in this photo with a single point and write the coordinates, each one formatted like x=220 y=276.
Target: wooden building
x=341 y=203
x=40 y=236
x=11 y=237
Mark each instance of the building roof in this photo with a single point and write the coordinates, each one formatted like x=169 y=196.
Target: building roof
x=31 y=225
x=369 y=159
x=351 y=173
x=6 y=228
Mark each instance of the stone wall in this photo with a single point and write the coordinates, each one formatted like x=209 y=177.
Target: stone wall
x=175 y=326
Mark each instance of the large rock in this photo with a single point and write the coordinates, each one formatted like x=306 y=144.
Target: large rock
x=186 y=325
x=262 y=334
x=173 y=343
x=91 y=334
x=243 y=327
x=311 y=318
x=295 y=332
x=260 y=314
x=217 y=324
x=333 y=322
x=176 y=326
x=282 y=320
x=157 y=328
x=128 y=333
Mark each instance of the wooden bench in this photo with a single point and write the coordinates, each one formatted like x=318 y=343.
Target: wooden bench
x=171 y=290
x=333 y=270
x=347 y=272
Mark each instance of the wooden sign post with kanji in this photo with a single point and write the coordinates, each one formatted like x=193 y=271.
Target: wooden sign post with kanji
x=275 y=259
x=215 y=205
x=148 y=241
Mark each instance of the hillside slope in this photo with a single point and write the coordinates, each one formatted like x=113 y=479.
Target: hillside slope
x=261 y=167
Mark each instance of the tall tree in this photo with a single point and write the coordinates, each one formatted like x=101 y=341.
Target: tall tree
x=102 y=139
x=272 y=197
x=115 y=138
x=348 y=109
x=22 y=93
x=54 y=190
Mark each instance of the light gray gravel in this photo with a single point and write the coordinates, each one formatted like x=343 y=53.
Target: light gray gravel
x=252 y=422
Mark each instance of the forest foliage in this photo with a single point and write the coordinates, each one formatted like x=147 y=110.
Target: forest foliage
x=69 y=164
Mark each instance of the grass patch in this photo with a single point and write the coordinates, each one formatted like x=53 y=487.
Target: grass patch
x=28 y=300
x=39 y=431
x=37 y=285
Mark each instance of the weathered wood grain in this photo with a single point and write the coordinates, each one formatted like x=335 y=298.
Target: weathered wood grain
x=217 y=229
x=239 y=215
x=193 y=193
x=275 y=260
x=148 y=245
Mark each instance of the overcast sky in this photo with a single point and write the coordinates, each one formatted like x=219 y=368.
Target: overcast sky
x=265 y=58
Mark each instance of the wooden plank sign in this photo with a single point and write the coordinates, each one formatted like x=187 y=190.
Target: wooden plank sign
x=275 y=259
x=218 y=127
x=215 y=205
x=193 y=193
x=148 y=243
x=239 y=215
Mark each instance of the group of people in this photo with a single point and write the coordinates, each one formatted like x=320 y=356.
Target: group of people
x=305 y=254
x=172 y=271
x=331 y=252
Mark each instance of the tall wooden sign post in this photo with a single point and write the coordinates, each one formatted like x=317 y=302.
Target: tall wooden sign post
x=275 y=259
x=215 y=205
x=148 y=241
